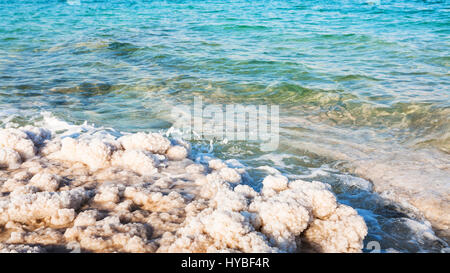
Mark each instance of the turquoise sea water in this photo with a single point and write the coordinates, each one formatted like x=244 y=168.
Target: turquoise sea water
x=356 y=81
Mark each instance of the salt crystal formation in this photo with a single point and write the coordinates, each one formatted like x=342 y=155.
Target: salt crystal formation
x=141 y=193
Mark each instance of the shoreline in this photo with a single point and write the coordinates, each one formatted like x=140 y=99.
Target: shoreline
x=142 y=193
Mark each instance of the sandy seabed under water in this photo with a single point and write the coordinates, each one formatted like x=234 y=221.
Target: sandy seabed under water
x=142 y=192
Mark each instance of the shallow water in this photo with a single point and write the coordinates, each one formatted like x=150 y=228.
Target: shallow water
x=363 y=87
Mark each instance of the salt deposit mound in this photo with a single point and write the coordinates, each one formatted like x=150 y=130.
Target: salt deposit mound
x=142 y=193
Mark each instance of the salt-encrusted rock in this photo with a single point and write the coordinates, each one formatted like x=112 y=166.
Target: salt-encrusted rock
x=230 y=175
x=217 y=231
x=322 y=201
x=109 y=193
x=177 y=153
x=142 y=162
x=86 y=218
x=282 y=217
x=109 y=234
x=141 y=193
x=9 y=158
x=42 y=236
x=11 y=248
x=54 y=208
x=33 y=166
x=95 y=153
x=216 y=164
x=45 y=181
x=152 y=142
x=273 y=184
x=225 y=198
x=50 y=147
x=342 y=231
x=154 y=200
x=195 y=169
x=23 y=190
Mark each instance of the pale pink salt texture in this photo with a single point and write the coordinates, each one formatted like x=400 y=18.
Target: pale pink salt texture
x=9 y=158
x=142 y=193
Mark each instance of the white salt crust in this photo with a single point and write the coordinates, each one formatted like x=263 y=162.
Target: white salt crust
x=9 y=158
x=141 y=193
x=5 y=248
